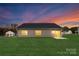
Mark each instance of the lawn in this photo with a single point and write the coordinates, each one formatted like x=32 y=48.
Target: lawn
x=22 y=46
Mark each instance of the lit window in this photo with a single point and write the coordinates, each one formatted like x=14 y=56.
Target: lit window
x=53 y=32
x=24 y=32
x=38 y=32
x=56 y=33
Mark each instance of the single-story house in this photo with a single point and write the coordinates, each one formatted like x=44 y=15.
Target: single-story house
x=39 y=30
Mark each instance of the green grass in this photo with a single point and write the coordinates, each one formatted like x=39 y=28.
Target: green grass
x=22 y=46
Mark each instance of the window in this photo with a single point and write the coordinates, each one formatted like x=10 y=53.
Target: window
x=56 y=33
x=24 y=32
x=38 y=32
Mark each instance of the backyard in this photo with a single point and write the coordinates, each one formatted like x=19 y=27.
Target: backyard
x=22 y=46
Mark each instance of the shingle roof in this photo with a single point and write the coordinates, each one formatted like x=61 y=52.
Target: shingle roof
x=38 y=26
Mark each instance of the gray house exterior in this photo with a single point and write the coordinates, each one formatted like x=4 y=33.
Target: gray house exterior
x=39 y=30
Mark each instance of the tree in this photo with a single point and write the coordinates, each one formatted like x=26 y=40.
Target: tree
x=65 y=29
x=74 y=30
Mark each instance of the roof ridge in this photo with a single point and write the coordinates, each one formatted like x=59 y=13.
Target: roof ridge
x=38 y=23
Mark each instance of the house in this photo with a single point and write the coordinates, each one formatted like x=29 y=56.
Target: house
x=39 y=30
x=67 y=32
x=9 y=34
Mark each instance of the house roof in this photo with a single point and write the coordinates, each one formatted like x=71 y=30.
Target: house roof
x=38 y=26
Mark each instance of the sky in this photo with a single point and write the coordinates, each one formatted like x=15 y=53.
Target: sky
x=63 y=14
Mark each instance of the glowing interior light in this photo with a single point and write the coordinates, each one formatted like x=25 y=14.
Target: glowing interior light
x=38 y=32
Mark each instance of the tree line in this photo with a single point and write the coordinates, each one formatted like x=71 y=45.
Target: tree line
x=73 y=29
x=4 y=30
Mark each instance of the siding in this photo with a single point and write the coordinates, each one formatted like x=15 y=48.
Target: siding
x=31 y=33
x=46 y=33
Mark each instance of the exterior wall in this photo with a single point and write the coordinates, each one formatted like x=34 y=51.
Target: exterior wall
x=56 y=33
x=45 y=33
x=31 y=33
x=19 y=33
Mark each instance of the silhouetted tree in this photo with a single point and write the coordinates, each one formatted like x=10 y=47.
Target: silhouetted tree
x=74 y=30
x=65 y=28
x=11 y=28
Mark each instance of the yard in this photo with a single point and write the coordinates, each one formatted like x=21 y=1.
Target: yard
x=20 y=46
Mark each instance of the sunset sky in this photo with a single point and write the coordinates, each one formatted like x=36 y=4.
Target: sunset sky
x=62 y=14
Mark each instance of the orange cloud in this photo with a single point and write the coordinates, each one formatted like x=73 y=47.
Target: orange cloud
x=71 y=16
